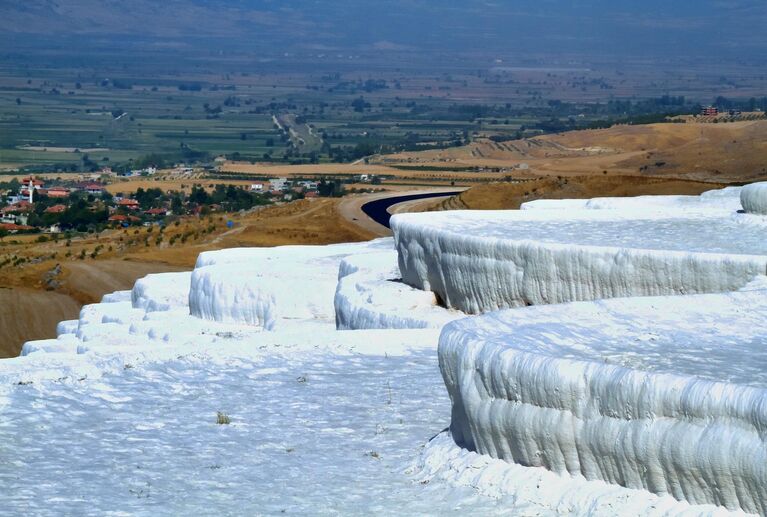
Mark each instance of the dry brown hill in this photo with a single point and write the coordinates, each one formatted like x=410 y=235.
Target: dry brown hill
x=504 y=196
x=726 y=153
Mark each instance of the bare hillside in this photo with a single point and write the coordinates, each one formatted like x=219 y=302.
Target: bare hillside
x=505 y=196
x=726 y=153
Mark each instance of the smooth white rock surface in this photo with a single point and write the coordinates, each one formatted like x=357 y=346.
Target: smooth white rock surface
x=94 y=313
x=251 y=255
x=272 y=287
x=161 y=292
x=486 y=260
x=753 y=197
x=537 y=491
x=64 y=344
x=325 y=400
x=67 y=327
x=665 y=394
x=721 y=201
x=341 y=419
x=117 y=296
x=370 y=295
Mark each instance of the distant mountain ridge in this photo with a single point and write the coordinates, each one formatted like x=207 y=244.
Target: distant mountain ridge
x=726 y=27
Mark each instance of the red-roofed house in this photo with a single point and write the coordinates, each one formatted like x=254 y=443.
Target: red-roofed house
x=119 y=218
x=58 y=192
x=56 y=209
x=18 y=208
x=16 y=213
x=159 y=212
x=130 y=204
x=95 y=189
x=13 y=228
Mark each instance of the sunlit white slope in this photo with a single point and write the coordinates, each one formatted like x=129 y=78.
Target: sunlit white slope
x=721 y=201
x=485 y=260
x=274 y=287
x=664 y=394
x=161 y=292
x=754 y=198
x=371 y=295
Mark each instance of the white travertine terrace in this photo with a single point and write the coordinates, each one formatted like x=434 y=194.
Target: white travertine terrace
x=632 y=406
x=370 y=295
x=753 y=197
x=486 y=260
x=713 y=202
x=160 y=292
x=271 y=287
x=664 y=394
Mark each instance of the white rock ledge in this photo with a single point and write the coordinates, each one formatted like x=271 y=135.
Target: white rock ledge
x=541 y=492
x=161 y=292
x=67 y=327
x=753 y=197
x=724 y=201
x=370 y=295
x=271 y=288
x=117 y=296
x=676 y=408
x=482 y=261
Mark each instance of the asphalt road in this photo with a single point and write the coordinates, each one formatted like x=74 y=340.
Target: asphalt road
x=378 y=210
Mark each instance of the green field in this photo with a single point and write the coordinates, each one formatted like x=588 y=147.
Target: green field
x=122 y=111
x=115 y=125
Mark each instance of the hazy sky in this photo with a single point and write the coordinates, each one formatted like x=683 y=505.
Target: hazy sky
x=652 y=27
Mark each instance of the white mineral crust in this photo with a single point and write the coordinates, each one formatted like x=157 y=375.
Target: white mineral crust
x=627 y=406
x=665 y=394
x=270 y=288
x=753 y=197
x=370 y=295
x=486 y=260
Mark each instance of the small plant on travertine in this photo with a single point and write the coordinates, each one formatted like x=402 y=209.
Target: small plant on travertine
x=223 y=418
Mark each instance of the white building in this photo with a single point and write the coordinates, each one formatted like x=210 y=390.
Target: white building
x=309 y=185
x=278 y=184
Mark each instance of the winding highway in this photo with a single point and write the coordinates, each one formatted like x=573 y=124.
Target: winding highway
x=371 y=212
x=378 y=210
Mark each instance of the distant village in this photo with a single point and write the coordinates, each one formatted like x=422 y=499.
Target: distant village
x=34 y=205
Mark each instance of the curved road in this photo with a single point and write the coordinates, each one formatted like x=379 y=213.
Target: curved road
x=350 y=207
x=378 y=210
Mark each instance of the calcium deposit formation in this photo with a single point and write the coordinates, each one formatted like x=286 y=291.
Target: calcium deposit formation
x=604 y=356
